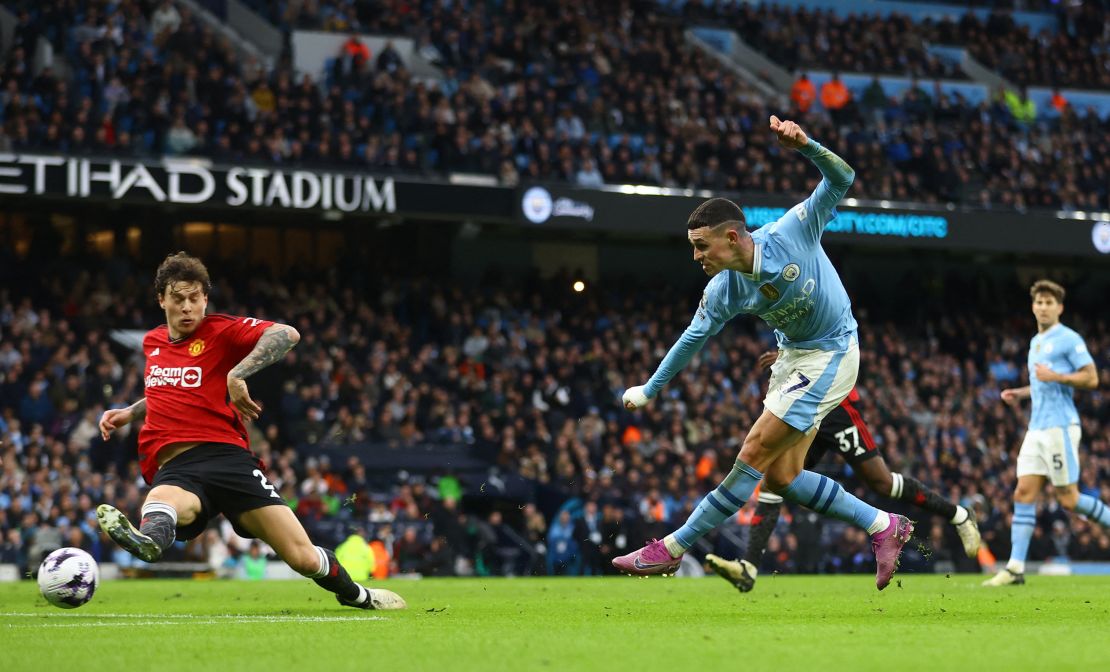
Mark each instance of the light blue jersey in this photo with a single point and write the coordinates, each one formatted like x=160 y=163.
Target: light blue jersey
x=1063 y=351
x=793 y=286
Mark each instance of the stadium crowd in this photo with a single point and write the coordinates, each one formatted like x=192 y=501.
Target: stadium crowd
x=800 y=38
x=560 y=91
x=527 y=377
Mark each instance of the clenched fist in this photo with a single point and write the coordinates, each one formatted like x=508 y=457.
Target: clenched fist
x=791 y=135
x=634 y=398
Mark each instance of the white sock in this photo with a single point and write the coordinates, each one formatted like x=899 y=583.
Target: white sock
x=325 y=566
x=1016 y=566
x=881 y=522
x=896 y=486
x=159 y=507
x=363 y=594
x=961 y=516
x=673 y=547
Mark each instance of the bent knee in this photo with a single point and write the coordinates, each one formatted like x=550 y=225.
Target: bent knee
x=304 y=560
x=1069 y=501
x=779 y=477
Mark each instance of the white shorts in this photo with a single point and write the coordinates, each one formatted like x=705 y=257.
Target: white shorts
x=807 y=384
x=1051 y=452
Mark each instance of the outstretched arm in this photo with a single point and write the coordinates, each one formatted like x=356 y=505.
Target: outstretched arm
x=812 y=216
x=277 y=340
x=708 y=320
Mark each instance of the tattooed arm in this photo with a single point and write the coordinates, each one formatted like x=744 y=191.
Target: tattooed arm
x=277 y=340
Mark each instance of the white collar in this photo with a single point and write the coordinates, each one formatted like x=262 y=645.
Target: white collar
x=757 y=263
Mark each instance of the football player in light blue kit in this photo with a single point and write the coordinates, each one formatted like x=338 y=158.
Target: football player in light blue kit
x=781 y=274
x=1059 y=364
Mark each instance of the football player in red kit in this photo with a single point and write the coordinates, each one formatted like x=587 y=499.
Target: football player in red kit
x=193 y=446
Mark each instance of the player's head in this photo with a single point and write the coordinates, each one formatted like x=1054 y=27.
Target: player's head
x=716 y=229
x=182 y=285
x=1048 y=302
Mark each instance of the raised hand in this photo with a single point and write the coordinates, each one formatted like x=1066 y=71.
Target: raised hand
x=790 y=135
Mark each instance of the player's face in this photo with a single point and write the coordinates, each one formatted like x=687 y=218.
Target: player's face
x=184 y=303
x=1047 y=309
x=714 y=248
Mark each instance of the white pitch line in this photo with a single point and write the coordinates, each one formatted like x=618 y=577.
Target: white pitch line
x=177 y=619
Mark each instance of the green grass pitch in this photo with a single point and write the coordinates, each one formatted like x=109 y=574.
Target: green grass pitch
x=929 y=622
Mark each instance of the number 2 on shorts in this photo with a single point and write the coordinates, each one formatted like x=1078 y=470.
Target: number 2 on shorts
x=266 y=484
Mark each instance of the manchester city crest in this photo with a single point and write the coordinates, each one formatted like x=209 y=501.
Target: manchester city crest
x=791 y=272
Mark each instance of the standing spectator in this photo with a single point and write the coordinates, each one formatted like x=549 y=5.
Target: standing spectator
x=803 y=93
x=1022 y=109
x=562 y=549
x=354 y=55
x=389 y=60
x=355 y=554
x=836 y=98
x=1059 y=102
x=587 y=531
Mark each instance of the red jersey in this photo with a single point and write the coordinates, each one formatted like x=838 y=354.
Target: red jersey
x=186 y=385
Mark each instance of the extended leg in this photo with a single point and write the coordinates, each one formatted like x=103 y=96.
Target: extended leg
x=278 y=526
x=879 y=479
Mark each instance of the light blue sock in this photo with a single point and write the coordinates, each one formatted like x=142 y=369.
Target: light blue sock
x=1021 y=532
x=716 y=507
x=1093 y=509
x=825 y=496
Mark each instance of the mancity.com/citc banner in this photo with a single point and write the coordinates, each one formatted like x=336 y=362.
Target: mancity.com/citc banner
x=637 y=209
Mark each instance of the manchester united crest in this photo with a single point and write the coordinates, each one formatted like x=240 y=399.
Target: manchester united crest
x=196 y=347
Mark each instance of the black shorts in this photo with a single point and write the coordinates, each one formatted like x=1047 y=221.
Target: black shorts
x=226 y=478
x=844 y=432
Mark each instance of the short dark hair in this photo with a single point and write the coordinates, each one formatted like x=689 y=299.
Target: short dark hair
x=181 y=267
x=716 y=211
x=1047 y=287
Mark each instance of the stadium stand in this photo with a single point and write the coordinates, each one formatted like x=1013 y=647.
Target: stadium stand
x=510 y=109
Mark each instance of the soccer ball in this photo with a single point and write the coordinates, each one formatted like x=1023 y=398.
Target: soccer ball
x=68 y=578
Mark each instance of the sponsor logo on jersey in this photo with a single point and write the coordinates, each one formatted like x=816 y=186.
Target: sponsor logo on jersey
x=701 y=306
x=174 y=376
x=196 y=347
x=793 y=309
x=791 y=272
x=770 y=291
x=1048 y=349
